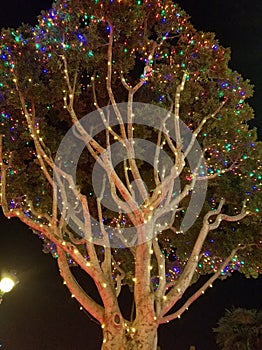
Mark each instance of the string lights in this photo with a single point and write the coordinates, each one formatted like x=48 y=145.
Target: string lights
x=67 y=53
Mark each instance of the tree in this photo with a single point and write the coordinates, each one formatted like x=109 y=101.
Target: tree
x=239 y=329
x=96 y=191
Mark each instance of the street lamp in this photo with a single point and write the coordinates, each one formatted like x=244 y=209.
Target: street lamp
x=7 y=283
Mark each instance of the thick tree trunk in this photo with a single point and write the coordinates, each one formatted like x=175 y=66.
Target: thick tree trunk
x=130 y=337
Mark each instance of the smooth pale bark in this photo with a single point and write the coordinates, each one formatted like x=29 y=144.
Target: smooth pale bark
x=133 y=337
x=120 y=334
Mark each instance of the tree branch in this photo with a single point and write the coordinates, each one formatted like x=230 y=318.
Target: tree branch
x=200 y=127
x=184 y=280
x=161 y=263
x=201 y=291
x=179 y=89
x=96 y=310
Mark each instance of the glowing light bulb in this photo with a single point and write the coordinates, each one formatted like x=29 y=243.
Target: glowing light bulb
x=6 y=284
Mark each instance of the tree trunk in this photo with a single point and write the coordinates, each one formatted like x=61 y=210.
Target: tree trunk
x=130 y=337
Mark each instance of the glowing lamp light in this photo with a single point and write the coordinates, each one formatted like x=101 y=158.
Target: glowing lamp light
x=6 y=284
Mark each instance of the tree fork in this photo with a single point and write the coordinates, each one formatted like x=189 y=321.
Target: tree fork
x=135 y=336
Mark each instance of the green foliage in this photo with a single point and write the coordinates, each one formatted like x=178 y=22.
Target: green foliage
x=32 y=63
x=239 y=329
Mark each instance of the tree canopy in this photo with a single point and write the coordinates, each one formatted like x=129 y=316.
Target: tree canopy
x=93 y=57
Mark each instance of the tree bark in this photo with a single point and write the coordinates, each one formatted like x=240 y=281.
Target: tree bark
x=130 y=337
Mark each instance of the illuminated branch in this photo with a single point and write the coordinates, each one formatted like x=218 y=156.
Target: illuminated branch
x=34 y=224
x=179 y=89
x=119 y=277
x=92 y=267
x=106 y=163
x=71 y=88
x=128 y=183
x=88 y=303
x=131 y=156
x=163 y=188
x=102 y=282
x=229 y=218
x=147 y=69
x=159 y=146
x=131 y=208
x=106 y=264
x=102 y=114
x=200 y=127
x=173 y=205
x=41 y=155
x=223 y=171
x=184 y=280
x=41 y=146
x=37 y=214
x=74 y=240
x=54 y=209
x=89 y=140
x=123 y=81
x=125 y=140
x=156 y=158
x=202 y=290
x=176 y=152
x=61 y=177
x=161 y=263
x=135 y=213
x=170 y=207
x=109 y=80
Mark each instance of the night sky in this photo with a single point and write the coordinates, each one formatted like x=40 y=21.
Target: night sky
x=39 y=313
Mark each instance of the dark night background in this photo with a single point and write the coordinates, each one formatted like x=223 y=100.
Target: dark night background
x=39 y=313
